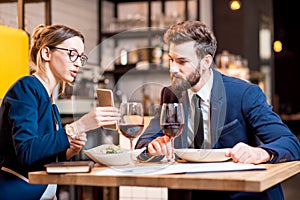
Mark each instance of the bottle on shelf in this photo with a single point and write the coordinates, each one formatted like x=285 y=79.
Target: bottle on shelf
x=157 y=53
x=123 y=56
x=165 y=56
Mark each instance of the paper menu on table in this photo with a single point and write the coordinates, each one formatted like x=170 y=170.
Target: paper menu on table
x=180 y=168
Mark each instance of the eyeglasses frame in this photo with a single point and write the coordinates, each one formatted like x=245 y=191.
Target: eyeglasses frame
x=83 y=61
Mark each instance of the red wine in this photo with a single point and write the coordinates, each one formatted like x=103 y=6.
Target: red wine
x=172 y=129
x=131 y=130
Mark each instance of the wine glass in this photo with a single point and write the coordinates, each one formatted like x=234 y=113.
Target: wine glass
x=172 y=123
x=132 y=122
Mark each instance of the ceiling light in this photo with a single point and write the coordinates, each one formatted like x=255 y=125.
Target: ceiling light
x=277 y=46
x=235 y=4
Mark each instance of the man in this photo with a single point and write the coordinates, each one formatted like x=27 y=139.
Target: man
x=235 y=113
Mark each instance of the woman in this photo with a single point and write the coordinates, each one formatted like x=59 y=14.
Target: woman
x=31 y=132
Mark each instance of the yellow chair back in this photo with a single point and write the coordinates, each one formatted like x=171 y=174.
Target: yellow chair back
x=14 y=62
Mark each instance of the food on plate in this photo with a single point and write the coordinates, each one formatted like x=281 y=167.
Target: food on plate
x=112 y=149
x=112 y=155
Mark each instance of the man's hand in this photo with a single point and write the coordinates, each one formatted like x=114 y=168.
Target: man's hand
x=244 y=153
x=160 y=146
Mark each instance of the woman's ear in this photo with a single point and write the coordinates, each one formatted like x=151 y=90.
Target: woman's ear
x=46 y=54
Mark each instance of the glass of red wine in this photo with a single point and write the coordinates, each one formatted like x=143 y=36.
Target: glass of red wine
x=131 y=123
x=172 y=123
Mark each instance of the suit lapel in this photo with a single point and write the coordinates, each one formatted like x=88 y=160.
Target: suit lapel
x=218 y=107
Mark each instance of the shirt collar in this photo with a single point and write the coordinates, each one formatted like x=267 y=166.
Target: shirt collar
x=205 y=91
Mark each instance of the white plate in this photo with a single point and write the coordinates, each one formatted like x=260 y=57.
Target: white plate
x=202 y=155
x=98 y=155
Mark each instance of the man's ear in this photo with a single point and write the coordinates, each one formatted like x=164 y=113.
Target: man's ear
x=46 y=54
x=207 y=61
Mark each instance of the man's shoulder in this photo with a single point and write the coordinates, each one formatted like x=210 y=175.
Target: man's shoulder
x=233 y=82
x=233 y=79
x=237 y=86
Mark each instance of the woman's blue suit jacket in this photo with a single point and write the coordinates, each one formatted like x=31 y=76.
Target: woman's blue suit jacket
x=31 y=135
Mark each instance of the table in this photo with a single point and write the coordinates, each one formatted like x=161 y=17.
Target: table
x=251 y=181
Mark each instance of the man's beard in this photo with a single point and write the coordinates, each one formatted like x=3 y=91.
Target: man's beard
x=180 y=84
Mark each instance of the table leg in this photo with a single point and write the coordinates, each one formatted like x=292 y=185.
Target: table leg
x=179 y=194
x=110 y=193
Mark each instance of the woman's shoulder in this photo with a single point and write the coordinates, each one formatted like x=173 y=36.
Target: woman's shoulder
x=25 y=85
x=28 y=78
x=27 y=81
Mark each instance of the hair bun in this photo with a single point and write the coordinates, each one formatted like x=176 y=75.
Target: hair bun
x=36 y=34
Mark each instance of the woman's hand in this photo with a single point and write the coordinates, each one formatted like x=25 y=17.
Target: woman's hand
x=96 y=118
x=76 y=145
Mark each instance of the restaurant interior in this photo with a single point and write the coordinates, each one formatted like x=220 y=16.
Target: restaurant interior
x=256 y=42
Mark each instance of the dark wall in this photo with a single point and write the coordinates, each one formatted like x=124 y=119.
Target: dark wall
x=238 y=31
x=287 y=64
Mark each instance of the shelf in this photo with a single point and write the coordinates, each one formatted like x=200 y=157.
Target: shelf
x=143 y=32
x=138 y=33
x=131 y=1
x=25 y=1
x=147 y=33
x=154 y=69
x=120 y=69
x=290 y=117
x=21 y=10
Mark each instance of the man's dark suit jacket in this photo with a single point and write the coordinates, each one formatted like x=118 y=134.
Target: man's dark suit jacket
x=239 y=113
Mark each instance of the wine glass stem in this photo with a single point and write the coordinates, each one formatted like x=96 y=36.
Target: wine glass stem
x=172 y=158
x=131 y=152
x=131 y=144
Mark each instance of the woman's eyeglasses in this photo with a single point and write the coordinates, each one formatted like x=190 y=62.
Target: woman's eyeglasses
x=73 y=55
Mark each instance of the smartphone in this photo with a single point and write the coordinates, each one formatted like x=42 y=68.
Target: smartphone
x=105 y=98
